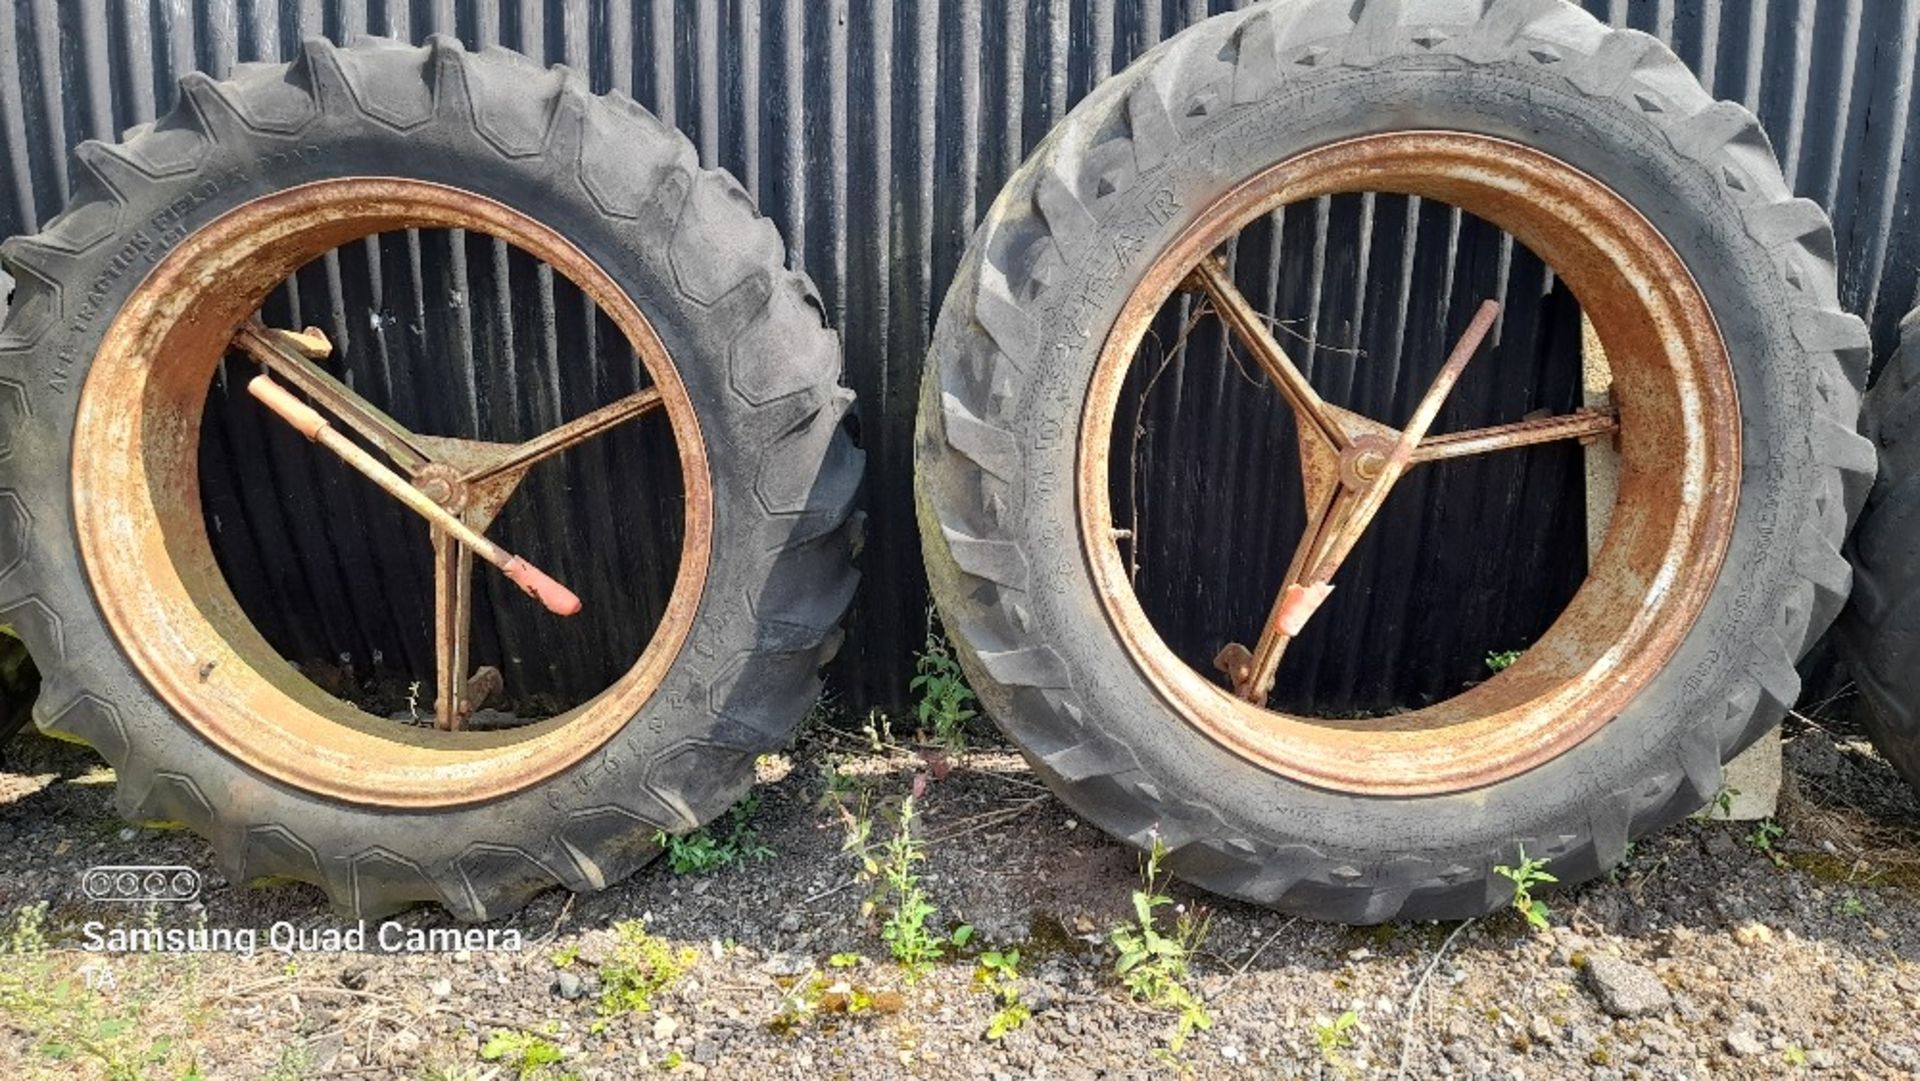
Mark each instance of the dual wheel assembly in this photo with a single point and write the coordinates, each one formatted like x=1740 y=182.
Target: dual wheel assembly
x=1717 y=396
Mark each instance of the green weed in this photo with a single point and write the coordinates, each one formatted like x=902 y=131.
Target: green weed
x=1525 y=877
x=1723 y=801
x=294 y=1064
x=905 y=928
x=1334 y=1037
x=1765 y=833
x=454 y=1071
x=639 y=969
x=1625 y=866
x=1502 y=660
x=878 y=728
x=1153 y=964
x=706 y=850
x=109 y=1018
x=945 y=700
x=527 y=1054
x=998 y=974
x=893 y=868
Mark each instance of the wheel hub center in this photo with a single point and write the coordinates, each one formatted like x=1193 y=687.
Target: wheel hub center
x=1365 y=461
x=442 y=483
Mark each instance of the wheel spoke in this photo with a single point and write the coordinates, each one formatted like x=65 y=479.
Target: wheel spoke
x=452 y=624
x=1428 y=410
x=568 y=435
x=1580 y=424
x=291 y=356
x=1251 y=328
x=1252 y=671
x=456 y=538
x=1367 y=472
x=456 y=693
x=1341 y=540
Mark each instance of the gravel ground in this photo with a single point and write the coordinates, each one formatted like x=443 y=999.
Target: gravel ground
x=1707 y=955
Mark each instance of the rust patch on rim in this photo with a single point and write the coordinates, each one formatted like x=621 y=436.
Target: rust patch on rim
x=143 y=537
x=1679 y=440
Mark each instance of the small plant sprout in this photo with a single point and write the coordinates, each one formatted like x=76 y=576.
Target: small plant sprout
x=1501 y=660
x=998 y=965
x=1852 y=905
x=798 y=1002
x=1723 y=800
x=945 y=700
x=640 y=967
x=1625 y=866
x=894 y=868
x=294 y=1064
x=878 y=729
x=998 y=974
x=706 y=850
x=1335 y=1036
x=527 y=1054
x=26 y=936
x=1765 y=833
x=836 y=784
x=1153 y=963
x=1525 y=877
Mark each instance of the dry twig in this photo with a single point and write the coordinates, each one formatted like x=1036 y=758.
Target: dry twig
x=1251 y=958
x=1413 y=997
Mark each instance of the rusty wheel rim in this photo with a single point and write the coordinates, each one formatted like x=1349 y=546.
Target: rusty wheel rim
x=144 y=542
x=1678 y=435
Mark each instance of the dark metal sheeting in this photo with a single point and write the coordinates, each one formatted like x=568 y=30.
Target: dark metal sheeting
x=1466 y=558
x=876 y=131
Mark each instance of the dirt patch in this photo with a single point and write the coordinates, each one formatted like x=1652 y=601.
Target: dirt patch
x=1778 y=953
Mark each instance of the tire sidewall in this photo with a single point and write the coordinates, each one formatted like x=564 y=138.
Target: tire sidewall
x=689 y=752
x=1683 y=199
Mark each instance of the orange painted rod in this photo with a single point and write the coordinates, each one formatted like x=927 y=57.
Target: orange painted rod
x=557 y=598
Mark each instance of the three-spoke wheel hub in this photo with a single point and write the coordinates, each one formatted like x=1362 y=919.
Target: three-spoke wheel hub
x=458 y=485
x=1669 y=409
x=145 y=543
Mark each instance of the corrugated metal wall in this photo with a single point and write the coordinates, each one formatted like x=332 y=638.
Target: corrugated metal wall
x=1466 y=558
x=874 y=132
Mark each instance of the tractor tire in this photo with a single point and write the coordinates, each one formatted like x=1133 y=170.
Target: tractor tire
x=1070 y=241
x=680 y=245
x=1879 y=633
